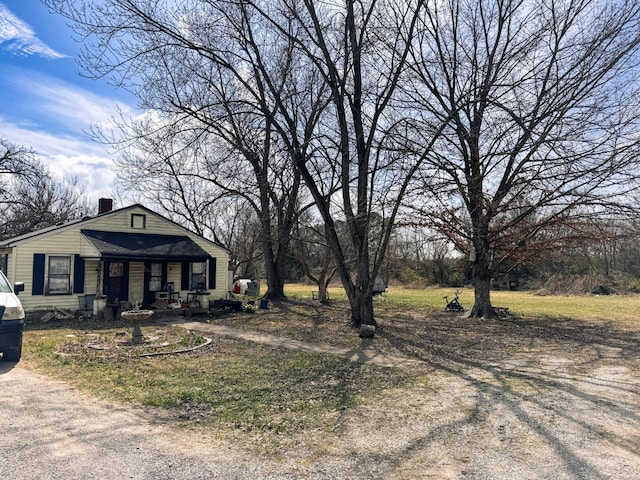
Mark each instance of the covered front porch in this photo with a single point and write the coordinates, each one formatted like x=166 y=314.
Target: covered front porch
x=148 y=271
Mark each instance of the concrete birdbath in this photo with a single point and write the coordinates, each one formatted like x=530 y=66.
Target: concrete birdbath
x=137 y=317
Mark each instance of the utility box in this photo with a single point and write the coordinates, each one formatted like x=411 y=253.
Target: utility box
x=253 y=288
x=85 y=302
x=99 y=306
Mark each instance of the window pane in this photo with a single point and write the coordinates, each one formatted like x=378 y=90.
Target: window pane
x=4 y=285
x=138 y=221
x=198 y=267
x=59 y=275
x=155 y=284
x=58 y=284
x=155 y=279
x=116 y=269
x=59 y=265
x=198 y=270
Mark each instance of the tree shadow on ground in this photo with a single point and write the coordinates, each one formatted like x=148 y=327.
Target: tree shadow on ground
x=568 y=384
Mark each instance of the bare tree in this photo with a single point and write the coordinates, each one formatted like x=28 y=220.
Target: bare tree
x=539 y=105
x=16 y=160
x=31 y=197
x=360 y=50
x=417 y=253
x=313 y=252
x=151 y=168
x=210 y=72
x=244 y=239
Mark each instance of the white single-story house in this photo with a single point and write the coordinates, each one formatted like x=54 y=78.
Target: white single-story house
x=129 y=256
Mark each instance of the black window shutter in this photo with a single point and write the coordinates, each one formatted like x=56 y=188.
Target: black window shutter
x=124 y=289
x=78 y=274
x=147 y=275
x=184 y=277
x=37 y=287
x=212 y=273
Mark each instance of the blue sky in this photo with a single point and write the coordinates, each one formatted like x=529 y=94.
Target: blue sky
x=45 y=104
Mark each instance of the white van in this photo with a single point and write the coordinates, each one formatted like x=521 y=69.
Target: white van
x=11 y=320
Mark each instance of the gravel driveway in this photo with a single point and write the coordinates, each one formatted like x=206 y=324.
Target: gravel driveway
x=52 y=432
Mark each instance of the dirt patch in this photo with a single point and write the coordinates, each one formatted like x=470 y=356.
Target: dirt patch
x=118 y=343
x=505 y=398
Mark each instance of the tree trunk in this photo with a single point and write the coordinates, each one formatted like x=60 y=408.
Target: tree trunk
x=322 y=289
x=275 y=275
x=275 y=287
x=274 y=263
x=276 y=240
x=362 y=308
x=482 y=283
x=482 y=306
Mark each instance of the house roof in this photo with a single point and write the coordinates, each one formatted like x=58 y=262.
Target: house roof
x=117 y=245
x=12 y=242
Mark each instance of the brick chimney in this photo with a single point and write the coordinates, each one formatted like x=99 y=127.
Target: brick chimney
x=105 y=205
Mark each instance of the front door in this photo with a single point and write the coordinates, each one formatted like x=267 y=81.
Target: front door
x=116 y=281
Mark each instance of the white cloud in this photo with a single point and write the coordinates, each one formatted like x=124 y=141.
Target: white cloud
x=52 y=116
x=50 y=144
x=18 y=38
x=65 y=102
x=56 y=115
x=54 y=119
x=95 y=172
x=81 y=157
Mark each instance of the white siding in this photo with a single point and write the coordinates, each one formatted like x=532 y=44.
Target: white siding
x=174 y=270
x=222 y=287
x=91 y=278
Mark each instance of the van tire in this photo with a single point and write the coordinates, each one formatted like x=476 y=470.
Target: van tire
x=12 y=354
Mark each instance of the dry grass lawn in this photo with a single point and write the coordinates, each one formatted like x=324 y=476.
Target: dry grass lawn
x=516 y=397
